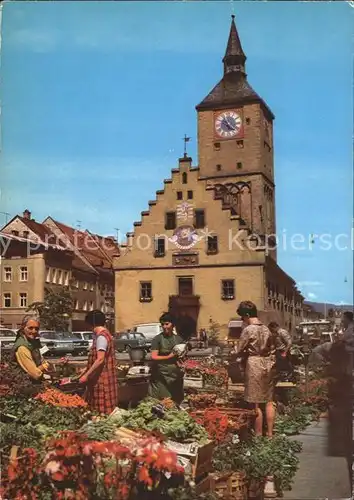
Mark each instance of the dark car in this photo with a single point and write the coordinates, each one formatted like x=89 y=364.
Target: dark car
x=126 y=341
x=60 y=343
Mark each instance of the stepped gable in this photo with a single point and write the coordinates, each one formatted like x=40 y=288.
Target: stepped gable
x=159 y=193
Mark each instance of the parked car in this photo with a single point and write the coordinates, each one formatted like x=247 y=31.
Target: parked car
x=125 y=341
x=85 y=336
x=149 y=330
x=60 y=343
x=7 y=339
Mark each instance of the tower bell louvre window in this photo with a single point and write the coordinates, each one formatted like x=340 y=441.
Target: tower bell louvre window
x=170 y=220
x=227 y=289
x=145 y=291
x=199 y=218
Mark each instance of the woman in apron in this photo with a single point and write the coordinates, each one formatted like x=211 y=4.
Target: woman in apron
x=166 y=375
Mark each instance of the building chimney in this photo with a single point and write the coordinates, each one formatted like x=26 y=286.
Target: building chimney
x=27 y=214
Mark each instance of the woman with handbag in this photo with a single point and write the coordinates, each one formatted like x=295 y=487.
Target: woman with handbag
x=257 y=350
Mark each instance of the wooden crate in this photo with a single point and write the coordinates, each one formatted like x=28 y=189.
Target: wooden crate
x=200 y=457
x=193 y=383
x=229 y=486
x=203 y=486
x=203 y=460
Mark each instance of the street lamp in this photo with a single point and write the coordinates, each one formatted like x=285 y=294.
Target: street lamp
x=306 y=351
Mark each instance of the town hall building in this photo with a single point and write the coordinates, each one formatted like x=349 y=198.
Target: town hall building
x=207 y=241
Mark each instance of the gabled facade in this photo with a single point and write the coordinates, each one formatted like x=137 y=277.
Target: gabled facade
x=55 y=255
x=200 y=249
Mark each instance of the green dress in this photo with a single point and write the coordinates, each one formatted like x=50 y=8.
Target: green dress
x=166 y=376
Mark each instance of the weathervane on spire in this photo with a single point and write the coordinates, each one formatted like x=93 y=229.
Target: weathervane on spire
x=185 y=139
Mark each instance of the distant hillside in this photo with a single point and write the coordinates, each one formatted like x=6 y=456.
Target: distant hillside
x=320 y=307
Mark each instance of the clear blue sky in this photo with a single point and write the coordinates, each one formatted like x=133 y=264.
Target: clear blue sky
x=96 y=97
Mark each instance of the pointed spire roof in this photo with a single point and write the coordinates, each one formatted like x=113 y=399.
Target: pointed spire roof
x=233 y=89
x=234 y=53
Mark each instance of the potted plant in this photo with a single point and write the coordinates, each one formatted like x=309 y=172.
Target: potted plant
x=214 y=336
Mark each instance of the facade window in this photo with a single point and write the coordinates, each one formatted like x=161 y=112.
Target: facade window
x=145 y=291
x=8 y=274
x=91 y=305
x=190 y=195
x=25 y=234
x=7 y=299
x=15 y=233
x=85 y=306
x=185 y=286
x=47 y=274
x=85 y=286
x=160 y=247
x=239 y=164
x=54 y=277
x=239 y=144
x=179 y=195
x=170 y=220
x=66 y=278
x=23 y=273
x=76 y=284
x=212 y=245
x=227 y=289
x=184 y=178
x=218 y=167
x=60 y=277
x=92 y=287
x=248 y=121
x=217 y=146
x=77 y=305
x=23 y=299
x=199 y=218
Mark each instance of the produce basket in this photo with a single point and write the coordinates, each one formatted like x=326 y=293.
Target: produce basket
x=70 y=387
x=229 y=486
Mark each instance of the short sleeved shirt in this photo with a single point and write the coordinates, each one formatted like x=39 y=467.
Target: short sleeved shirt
x=101 y=343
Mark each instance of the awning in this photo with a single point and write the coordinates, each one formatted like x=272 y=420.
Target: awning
x=235 y=323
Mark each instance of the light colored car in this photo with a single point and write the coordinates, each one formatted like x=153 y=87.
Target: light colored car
x=7 y=339
x=149 y=330
x=85 y=336
x=60 y=343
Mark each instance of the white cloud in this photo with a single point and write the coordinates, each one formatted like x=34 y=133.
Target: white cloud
x=311 y=296
x=37 y=41
x=309 y=283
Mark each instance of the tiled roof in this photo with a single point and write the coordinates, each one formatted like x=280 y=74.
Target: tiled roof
x=97 y=250
x=232 y=90
x=42 y=231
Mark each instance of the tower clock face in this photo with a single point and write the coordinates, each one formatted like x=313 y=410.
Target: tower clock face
x=228 y=124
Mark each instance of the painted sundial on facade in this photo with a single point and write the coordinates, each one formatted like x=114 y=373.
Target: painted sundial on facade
x=184 y=237
x=228 y=124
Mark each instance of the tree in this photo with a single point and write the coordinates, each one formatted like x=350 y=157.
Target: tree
x=56 y=309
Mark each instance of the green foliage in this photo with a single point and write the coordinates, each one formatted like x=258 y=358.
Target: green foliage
x=28 y=411
x=175 y=424
x=261 y=457
x=213 y=333
x=56 y=310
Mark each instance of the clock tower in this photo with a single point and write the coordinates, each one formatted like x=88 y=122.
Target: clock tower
x=235 y=143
